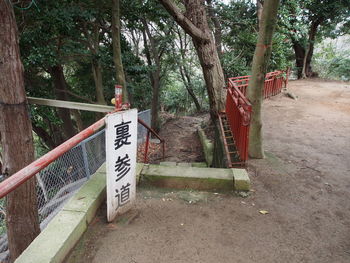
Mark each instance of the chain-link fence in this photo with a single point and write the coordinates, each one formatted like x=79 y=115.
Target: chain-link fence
x=62 y=178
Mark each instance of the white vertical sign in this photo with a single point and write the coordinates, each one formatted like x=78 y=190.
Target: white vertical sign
x=121 y=147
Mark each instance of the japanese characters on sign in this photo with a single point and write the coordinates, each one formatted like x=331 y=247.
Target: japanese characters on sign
x=121 y=147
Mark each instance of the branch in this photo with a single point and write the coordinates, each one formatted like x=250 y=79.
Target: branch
x=184 y=22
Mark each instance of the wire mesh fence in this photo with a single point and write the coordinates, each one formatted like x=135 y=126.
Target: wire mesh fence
x=62 y=178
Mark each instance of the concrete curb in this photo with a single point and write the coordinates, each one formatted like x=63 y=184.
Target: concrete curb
x=188 y=177
x=63 y=232
x=208 y=147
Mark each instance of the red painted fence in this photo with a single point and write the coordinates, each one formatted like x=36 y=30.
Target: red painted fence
x=238 y=112
x=238 y=108
x=273 y=83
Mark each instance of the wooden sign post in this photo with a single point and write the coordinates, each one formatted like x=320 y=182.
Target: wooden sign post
x=121 y=150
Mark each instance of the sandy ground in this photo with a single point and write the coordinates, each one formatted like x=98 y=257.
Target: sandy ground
x=304 y=184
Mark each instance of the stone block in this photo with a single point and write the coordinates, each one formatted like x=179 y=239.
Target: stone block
x=241 y=179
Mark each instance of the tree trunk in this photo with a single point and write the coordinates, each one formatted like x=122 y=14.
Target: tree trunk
x=60 y=88
x=188 y=84
x=16 y=137
x=45 y=137
x=195 y=23
x=217 y=27
x=307 y=71
x=117 y=53
x=97 y=74
x=155 y=74
x=185 y=75
x=78 y=120
x=299 y=52
x=259 y=9
x=259 y=67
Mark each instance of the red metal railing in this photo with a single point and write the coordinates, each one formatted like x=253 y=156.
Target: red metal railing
x=238 y=112
x=149 y=131
x=30 y=170
x=238 y=108
x=272 y=86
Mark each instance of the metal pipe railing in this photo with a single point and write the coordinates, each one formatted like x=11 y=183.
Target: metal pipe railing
x=149 y=131
x=23 y=175
x=272 y=85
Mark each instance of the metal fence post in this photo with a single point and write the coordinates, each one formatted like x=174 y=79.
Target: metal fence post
x=85 y=160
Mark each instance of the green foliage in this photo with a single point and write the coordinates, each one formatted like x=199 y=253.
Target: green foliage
x=332 y=62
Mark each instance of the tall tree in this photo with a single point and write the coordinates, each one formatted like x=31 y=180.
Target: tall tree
x=16 y=137
x=194 y=22
x=259 y=68
x=183 y=68
x=117 y=53
x=153 y=55
x=307 y=21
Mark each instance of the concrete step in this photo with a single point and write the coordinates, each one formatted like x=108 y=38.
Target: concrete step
x=195 y=178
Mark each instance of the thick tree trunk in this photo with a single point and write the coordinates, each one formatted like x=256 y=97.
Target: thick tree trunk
x=307 y=70
x=259 y=67
x=195 y=23
x=299 y=52
x=16 y=137
x=208 y=57
x=97 y=74
x=117 y=53
x=60 y=91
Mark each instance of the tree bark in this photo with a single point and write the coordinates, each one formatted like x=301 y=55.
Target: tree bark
x=60 y=86
x=259 y=67
x=195 y=23
x=16 y=137
x=117 y=53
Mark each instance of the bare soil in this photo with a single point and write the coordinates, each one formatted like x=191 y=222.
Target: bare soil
x=303 y=183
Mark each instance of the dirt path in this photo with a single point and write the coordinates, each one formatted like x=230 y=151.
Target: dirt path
x=182 y=143
x=304 y=184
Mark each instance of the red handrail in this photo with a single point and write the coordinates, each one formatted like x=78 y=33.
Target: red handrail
x=149 y=131
x=238 y=108
x=238 y=112
x=23 y=175
x=30 y=170
x=272 y=86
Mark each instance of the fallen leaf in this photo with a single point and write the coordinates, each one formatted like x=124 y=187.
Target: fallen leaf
x=263 y=212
